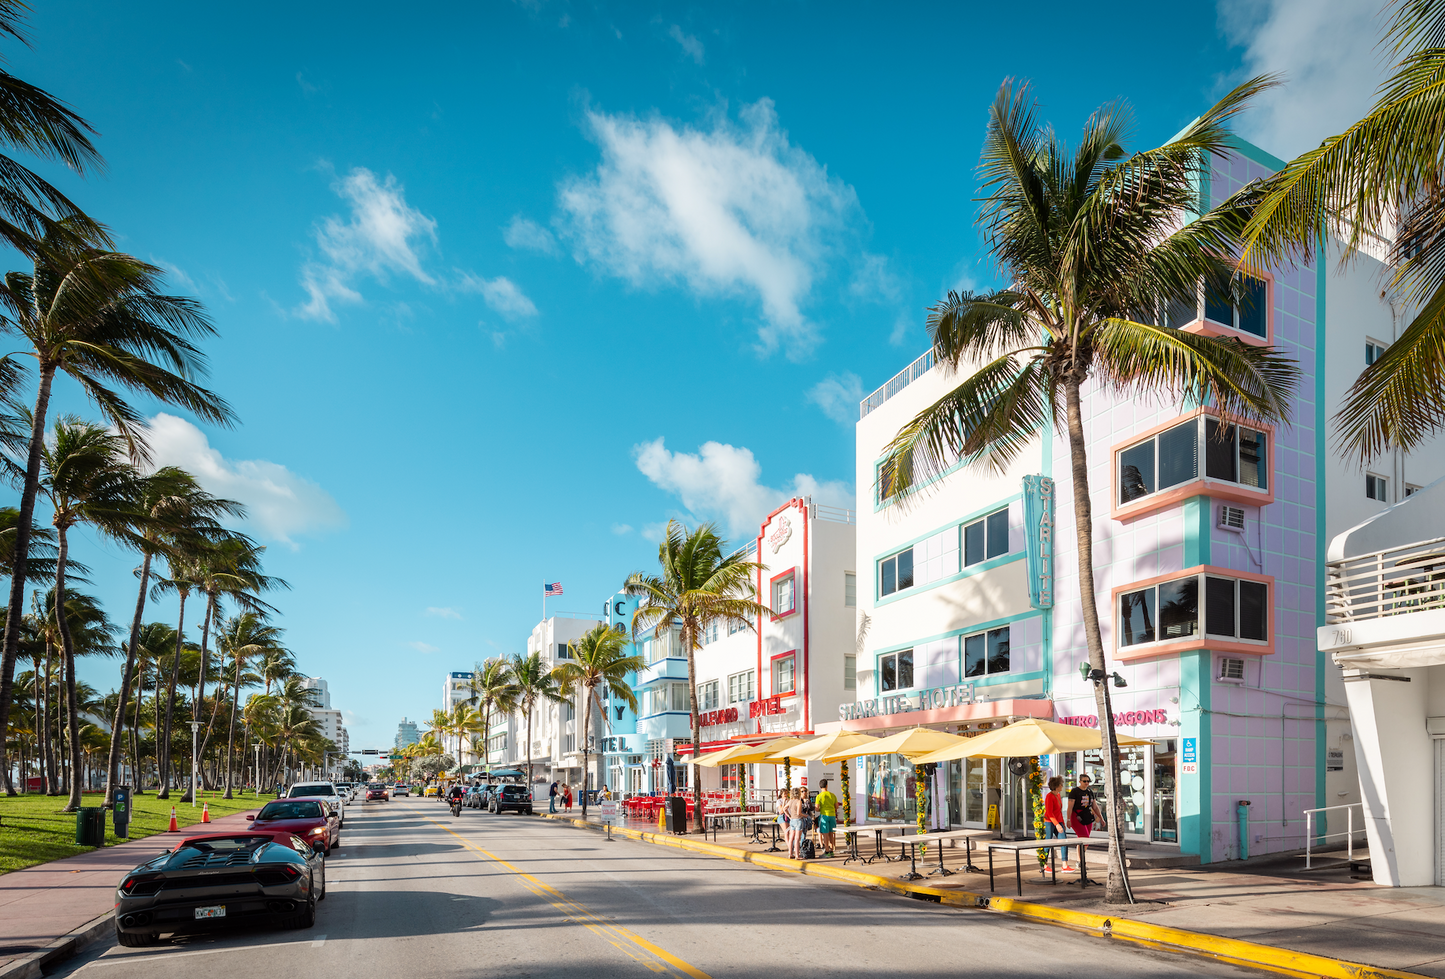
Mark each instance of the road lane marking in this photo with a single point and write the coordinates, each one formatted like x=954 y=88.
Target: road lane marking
x=585 y=916
x=163 y=953
x=318 y=941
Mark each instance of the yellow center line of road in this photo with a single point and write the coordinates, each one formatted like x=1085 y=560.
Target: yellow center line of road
x=594 y=922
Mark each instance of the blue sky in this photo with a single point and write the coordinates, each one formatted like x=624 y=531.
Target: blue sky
x=503 y=286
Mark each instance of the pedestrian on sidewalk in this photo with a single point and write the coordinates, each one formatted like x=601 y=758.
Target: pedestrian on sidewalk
x=1083 y=811
x=1054 y=814
x=567 y=796
x=797 y=822
x=827 y=804
x=552 y=797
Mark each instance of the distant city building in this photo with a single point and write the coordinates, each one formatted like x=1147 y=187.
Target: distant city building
x=327 y=718
x=406 y=734
x=322 y=693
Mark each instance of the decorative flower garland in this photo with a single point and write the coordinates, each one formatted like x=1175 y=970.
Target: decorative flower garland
x=1036 y=800
x=920 y=798
x=847 y=793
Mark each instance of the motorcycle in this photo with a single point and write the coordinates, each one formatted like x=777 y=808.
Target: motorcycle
x=456 y=805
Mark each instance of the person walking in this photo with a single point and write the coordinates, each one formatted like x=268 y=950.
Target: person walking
x=552 y=797
x=1083 y=812
x=797 y=823
x=1054 y=814
x=567 y=797
x=827 y=804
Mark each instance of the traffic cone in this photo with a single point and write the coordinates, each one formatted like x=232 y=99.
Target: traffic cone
x=205 y=812
x=175 y=828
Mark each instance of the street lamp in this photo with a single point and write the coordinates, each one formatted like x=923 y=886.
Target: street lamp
x=195 y=728
x=257 y=746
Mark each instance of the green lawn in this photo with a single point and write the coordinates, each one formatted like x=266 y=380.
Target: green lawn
x=34 y=830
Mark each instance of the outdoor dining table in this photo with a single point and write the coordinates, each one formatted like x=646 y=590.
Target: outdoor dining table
x=1053 y=846
x=715 y=819
x=759 y=820
x=877 y=830
x=938 y=836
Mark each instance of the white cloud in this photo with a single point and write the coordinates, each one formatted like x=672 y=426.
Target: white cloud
x=621 y=528
x=731 y=209
x=279 y=503
x=1328 y=54
x=442 y=613
x=423 y=647
x=838 y=395
x=691 y=46
x=524 y=234
x=500 y=293
x=380 y=237
x=722 y=482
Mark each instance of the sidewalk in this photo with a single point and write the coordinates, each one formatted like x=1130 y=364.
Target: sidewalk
x=1325 y=912
x=41 y=905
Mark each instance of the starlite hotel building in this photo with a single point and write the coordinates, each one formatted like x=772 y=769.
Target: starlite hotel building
x=1209 y=560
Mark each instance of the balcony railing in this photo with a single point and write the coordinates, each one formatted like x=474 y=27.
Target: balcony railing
x=834 y=514
x=897 y=383
x=1394 y=582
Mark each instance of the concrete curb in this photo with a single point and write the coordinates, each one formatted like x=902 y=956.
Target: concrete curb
x=1231 y=950
x=33 y=966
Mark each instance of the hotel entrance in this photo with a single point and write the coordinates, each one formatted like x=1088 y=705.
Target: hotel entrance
x=1148 y=775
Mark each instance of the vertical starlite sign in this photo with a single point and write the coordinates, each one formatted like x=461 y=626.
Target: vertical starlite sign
x=1039 y=533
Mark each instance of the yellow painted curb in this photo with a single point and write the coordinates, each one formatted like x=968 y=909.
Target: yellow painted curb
x=1230 y=950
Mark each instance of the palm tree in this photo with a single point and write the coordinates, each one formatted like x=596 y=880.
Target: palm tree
x=89 y=482
x=1382 y=181
x=184 y=556
x=245 y=636
x=175 y=508
x=698 y=586
x=493 y=689
x=97 y=317
x=599 y=659
x=1089 y=239
x=534 y=681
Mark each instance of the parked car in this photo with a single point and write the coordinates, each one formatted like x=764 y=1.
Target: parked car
x=401 y=789
x=376 y=792
x=430 y=791
x=473 y=798
x=220 y=880
x=311 y=819
x=347 y=790
x=320 y=790
x=508 y=796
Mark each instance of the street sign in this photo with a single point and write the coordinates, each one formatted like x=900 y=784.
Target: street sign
x=1189 y=757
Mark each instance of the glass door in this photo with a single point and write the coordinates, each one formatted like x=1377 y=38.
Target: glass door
x=975 y=804
x=1135 y=774
x=1165 y=821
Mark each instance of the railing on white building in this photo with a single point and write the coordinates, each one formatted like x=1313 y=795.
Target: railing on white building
x=1393 y=582
x=835 y=514
x=897 y=383
x=1348 y=834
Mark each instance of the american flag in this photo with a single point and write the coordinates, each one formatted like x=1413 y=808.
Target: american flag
x=555 y=588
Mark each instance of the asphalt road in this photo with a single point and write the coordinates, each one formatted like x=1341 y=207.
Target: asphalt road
x=414 y=892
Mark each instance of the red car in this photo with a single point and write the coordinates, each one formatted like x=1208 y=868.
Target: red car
x=310 y=819
x=376 y=792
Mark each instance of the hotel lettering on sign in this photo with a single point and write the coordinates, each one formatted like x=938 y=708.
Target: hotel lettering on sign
x=933 y=698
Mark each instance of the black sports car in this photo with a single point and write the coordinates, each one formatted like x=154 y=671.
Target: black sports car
x=224 y=879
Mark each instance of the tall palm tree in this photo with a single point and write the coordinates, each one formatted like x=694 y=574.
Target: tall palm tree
x=1381 y=181
x=493 y=690
x=1089 y=238
x=535 y=682
x=176 y=509
x=89 y=481
x=699 y=586
x=599 y=660
x=184 y=557
x=97 y=317
x=245 y=637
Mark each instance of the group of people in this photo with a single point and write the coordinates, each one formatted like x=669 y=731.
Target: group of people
x=799 y=815
x=1084 y=812
x=560 y=794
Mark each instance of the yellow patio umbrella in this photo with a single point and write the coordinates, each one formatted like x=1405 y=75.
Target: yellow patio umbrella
x=910 y=744
x=1024 y=739
x=826 y=747
x=716 y=759
x=745 y=754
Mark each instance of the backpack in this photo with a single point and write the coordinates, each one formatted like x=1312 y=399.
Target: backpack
x=806 y=850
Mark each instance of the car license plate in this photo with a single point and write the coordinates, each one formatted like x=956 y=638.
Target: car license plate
x=219 y=911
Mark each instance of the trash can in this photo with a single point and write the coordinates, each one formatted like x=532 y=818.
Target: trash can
x=676 y=815
x=90 y=826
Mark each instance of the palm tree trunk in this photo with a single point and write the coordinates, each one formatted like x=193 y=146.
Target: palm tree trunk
x=164 y=751
x=1117 y=890
x=112 y=765
x=529 y=752
x=231 y=732
x=52 y=772
x=201 y=692
x=20 y=562
x=586 y=745
x=67 y=646
x=688 y=633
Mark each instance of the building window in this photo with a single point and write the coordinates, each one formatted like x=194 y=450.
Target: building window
x=736 y=626
x=680 y=698
x=740 y=687
x=783 y=674
x=986 y=538
x=569 y=743
x=564 y=651
x=1247 y=313
x=1411 y=489
x=1234 y=608
x=888 y=483
x=986 y=653
x=850 y=590
x=850 y=672
x=783 y=597
x=1374 y=350
x=569 y=710
x=707 y=695
x=1231 y=453
x=1377 y=488
x=895 y=573
x=895 y=671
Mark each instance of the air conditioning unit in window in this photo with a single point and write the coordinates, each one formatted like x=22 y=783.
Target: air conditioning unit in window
x=1231 y=670
x=1231 y=518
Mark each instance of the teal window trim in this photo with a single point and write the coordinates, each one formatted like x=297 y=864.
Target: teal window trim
x=879 y=504
x=955 y=522
x=968 y=572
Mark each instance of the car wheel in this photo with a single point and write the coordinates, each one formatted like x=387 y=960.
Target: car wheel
x=132 y=940
x=322 y=895
x=304 y=918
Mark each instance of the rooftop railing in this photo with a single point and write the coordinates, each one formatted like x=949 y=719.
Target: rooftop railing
x=1393 y=582
x=897 y=383
x=834 y=514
